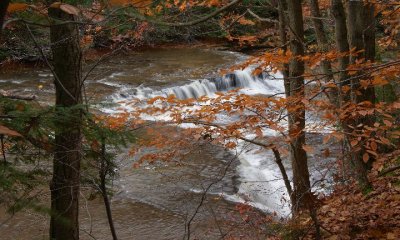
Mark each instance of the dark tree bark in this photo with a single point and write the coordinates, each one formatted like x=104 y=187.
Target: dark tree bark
x=64 y=187
x=282 y=169
x=318 y=25
x=361 y=37
x=283 y=19
x=3 y=10
x=298 y=157
x=369 y=35
x=282 y=8
x=342 y=46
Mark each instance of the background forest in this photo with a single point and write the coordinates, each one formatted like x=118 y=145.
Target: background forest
x=209 y=119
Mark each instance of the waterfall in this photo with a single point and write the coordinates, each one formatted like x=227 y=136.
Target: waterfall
x=243 y=79
x=259 y=184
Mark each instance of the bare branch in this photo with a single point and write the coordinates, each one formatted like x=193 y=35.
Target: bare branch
x=262 y=19
x=16 y=96
x=184 y=24
x=389 y=170
x=48 y=63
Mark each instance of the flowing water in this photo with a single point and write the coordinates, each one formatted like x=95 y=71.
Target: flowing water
x=157 y=201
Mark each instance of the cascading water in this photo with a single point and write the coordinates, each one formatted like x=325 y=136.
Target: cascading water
x=260 y=181
x=261 y=84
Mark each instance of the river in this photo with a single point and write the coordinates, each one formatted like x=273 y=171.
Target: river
x=156 y=202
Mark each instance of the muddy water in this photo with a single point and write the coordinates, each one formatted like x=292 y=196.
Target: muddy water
x=164 y=197
x=153 y=202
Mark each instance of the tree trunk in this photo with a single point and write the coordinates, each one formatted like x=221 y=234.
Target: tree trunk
x=361 y=37
x=342 y=46
x=104 y=168
x=296 y=113
x=282 y=8
x=323 y=45
x=64 y=188
x=282 y=169
x=369 y=35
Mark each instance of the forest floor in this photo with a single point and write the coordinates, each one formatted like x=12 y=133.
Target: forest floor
x=349 y=213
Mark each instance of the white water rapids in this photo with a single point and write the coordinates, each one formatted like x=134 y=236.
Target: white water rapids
x=261 y=184
x=262 y=84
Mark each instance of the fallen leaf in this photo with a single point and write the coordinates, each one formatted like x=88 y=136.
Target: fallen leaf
x=365 y=157
x=66 y=8
x=374 y=146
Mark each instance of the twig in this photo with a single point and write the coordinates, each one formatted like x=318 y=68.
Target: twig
x=389 y=170
x=185 y=24
x=262 y=19
x=204 y=195
x=103 y=173
x=17 y=97
x=48 y=63
x=2 y=149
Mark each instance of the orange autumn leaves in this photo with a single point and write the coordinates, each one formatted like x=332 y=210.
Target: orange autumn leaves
x=17 y=7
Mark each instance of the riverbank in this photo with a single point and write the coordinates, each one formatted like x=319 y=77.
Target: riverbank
x=94 y=54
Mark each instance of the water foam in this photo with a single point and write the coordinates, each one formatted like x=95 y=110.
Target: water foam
x=243 y=79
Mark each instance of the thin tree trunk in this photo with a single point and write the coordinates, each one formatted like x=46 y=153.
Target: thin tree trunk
x=282 y=8
x=64 y=187
x=323 y=45
x=342 y=46
x=369 y=34
x=103 y=174
x=296 y=115
x=3 y=149
x=282 y=169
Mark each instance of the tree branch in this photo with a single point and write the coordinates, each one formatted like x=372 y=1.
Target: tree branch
x=260 y=18
x=15 y=96
x=184 y=24
x=389 y=170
